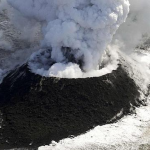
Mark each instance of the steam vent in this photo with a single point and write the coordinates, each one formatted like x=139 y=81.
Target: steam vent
x=36 y=110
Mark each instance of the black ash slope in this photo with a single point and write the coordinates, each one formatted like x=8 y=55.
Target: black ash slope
x=36 y=110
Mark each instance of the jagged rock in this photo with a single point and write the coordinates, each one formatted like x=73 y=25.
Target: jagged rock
x=36 y=109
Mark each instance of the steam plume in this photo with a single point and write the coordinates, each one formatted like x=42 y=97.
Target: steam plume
x=85 y=26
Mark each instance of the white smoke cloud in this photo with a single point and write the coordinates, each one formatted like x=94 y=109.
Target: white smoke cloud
x=86 y=26
x=136 y=29
x=71 y=70
x=132 y=35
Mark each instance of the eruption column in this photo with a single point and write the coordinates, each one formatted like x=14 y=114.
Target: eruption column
x=85 y=26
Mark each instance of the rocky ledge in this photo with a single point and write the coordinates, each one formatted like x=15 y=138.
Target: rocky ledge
x=36 y=110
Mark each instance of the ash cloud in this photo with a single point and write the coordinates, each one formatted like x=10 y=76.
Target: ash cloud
x=85 y=26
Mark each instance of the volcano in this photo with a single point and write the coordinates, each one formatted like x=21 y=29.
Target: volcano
x=36 y=110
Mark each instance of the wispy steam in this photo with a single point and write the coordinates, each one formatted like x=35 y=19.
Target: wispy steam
x=136 y=29
x=133 y=39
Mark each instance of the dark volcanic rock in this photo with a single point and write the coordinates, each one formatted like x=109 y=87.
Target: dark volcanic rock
x=37 y=109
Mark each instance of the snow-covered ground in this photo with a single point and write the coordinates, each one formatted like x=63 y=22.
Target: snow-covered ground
x=132 y=132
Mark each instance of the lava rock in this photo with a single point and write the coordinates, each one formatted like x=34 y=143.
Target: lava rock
x=36 y=110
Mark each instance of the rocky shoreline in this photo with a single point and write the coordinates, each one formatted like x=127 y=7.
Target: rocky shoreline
x=36 y=110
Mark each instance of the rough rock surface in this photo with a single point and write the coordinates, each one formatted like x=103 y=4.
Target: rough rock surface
x=36 y=110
